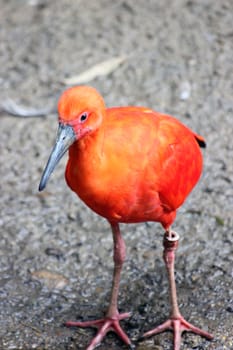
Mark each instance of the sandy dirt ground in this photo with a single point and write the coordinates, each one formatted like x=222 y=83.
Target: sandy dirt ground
x=55 y=254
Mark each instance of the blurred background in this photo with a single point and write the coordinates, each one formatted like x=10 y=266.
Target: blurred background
x=173 y=56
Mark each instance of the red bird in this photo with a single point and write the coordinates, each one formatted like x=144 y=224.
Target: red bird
x=129 y=165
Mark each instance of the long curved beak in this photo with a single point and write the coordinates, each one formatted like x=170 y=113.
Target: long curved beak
x=65 y=138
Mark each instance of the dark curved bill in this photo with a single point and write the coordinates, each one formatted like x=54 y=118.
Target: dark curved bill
x=65 y=138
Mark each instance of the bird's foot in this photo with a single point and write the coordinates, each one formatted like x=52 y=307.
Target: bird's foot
x=104 y=326
x=178 y=325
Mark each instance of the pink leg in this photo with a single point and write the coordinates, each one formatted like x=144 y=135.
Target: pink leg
x=176 y=322
x=111 y=322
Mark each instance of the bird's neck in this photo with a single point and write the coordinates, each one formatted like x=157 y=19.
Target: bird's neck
x=90 y=144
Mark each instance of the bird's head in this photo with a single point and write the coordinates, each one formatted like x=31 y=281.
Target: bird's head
x=80 y=112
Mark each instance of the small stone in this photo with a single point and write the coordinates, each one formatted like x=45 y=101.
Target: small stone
x=185 y=90
x=50 y=279
x=230 y=309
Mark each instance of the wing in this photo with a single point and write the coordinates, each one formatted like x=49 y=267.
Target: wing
x=180 y=159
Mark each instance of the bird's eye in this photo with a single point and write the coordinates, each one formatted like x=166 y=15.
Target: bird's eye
x=83 y=117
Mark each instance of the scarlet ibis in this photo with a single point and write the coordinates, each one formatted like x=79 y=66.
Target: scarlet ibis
x=129 y=165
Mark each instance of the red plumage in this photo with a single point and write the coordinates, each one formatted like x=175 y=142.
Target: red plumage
x=128 y=164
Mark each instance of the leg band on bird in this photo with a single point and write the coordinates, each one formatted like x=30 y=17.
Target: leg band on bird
x=170 y=243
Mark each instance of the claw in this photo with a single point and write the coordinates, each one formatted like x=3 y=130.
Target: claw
x=178 y=325
x=104 y=325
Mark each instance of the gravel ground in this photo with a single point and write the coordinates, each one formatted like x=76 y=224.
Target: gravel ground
x=179 y=61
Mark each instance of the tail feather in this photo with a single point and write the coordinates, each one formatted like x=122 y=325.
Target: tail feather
x=200 y=140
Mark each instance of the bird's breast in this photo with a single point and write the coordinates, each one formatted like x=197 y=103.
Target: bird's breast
x=114 y=181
